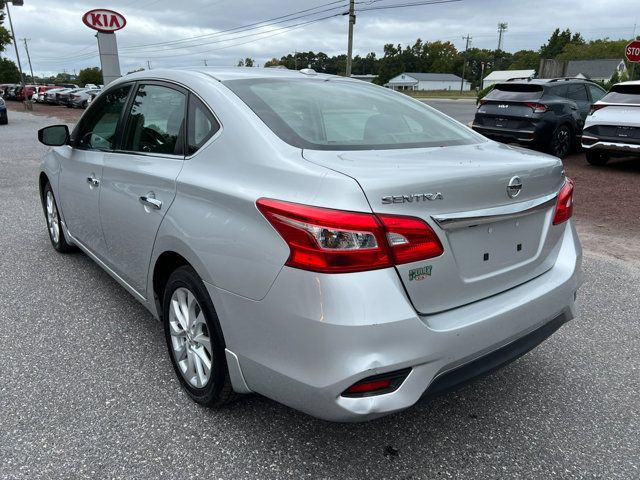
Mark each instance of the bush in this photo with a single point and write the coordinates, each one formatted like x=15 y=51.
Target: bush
x=483 y=93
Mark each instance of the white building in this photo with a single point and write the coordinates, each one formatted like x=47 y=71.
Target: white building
x=427 y=81
x=499 y=76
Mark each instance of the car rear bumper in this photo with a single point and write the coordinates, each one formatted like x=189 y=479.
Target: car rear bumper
x=539 y=134
x=315 y=335
x=610 y=145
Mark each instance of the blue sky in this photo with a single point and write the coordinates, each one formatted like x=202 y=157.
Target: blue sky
x=59 y=39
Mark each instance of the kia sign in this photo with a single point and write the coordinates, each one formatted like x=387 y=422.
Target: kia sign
x=632 y=51
x=103 y=20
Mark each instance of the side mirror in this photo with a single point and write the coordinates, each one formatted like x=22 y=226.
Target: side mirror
x=54 y=136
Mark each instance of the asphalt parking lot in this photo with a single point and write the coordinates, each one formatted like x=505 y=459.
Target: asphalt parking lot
x=87 y=389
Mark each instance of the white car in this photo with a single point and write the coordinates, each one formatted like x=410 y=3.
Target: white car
x=613 y=125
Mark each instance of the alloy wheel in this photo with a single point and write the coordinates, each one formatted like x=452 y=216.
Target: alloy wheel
x=53 y=221
x=190 y=338
x=562 y=142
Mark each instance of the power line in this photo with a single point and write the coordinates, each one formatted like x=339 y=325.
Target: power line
x=405 y=5
x=249 y=26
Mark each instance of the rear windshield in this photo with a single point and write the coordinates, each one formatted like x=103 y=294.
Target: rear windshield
x=623 y=94
x=345 y=115
x=515 y=91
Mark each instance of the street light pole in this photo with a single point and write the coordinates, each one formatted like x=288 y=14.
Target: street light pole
x=13 y=37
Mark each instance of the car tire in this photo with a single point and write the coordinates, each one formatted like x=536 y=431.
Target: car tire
x=597 y=159
x=85 y=104
x=190 y=324
x=561 y=141
x=4 y=121
x=54 y=224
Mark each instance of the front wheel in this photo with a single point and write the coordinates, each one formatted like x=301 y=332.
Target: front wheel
x=54 y=225
x=597 y=159
x=561 y=142
x=194 y=339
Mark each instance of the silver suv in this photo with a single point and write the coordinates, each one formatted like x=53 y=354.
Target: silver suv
x=330 y=244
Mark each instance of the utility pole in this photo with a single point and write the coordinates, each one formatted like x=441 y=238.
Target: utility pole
x=502 y=27
x=148 y=64
x=26 y=47
x=464 y=61
x=205 y=62
x=13 y=36
x=352 y=22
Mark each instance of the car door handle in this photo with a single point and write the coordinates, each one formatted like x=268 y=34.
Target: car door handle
x=93 y=181
x=151 y=201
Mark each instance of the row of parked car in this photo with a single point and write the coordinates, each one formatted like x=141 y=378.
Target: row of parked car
x=65 y=94
x=561 y=114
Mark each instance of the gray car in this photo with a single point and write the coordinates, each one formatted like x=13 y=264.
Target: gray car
x=330 y=244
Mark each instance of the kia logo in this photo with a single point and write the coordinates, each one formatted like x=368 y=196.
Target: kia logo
x=103 y=20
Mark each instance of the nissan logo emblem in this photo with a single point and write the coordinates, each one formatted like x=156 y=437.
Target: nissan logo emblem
x=514 y=187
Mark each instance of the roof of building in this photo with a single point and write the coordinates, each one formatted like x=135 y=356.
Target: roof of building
x=602 y=68
x=502 y=75
x=433 y=77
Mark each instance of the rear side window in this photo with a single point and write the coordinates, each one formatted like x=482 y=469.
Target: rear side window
x=156 y=121
x=202 y=125
x=596 y=93
x=98 y=128
x=623 y=94
x=517 y=92
x=577 y=92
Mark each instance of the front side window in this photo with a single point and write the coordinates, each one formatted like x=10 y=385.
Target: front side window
x=343 y=115
x=202 y=125
x=97 y=131
x=156 y=121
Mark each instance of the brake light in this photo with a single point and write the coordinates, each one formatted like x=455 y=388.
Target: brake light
x=337 y=241
x=537 y=107
x=596 y=107
x=564 y=204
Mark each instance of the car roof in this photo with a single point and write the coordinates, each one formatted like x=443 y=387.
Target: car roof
x=224 y=74
x=548 y=81
x=630 y=82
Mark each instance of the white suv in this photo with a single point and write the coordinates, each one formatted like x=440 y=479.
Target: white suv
x=613 y=125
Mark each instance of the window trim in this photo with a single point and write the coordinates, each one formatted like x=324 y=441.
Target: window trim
x=214 y=136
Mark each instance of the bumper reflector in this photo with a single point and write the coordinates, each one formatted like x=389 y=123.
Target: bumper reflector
x=377 y=384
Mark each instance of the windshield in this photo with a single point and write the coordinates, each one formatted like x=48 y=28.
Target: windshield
x=344 y=115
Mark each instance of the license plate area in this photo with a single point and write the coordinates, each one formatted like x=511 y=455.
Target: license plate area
x=501 y=122
x=493 y=248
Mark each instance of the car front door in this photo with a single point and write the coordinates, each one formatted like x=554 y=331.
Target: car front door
x=139 y=180
x=81 y=168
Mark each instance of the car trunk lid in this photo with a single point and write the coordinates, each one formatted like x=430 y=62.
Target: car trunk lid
x=491 y=242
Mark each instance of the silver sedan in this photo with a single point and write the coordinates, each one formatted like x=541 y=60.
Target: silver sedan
x=330 y=244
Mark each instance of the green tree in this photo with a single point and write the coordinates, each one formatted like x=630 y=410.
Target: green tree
x=595 y=49
x=525 y=60
x=90 y=75
x=247 y=62
x=558 y=41
x=5 y=37
x=9 y=72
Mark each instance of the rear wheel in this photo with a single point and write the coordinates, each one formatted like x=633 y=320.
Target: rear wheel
x=596 y=158
x=194 y=339
x=561 y=141
x=54 y=225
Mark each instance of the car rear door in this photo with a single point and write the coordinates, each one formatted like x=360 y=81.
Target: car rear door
x=81 y=168
x=577 y=92
x=139 y=181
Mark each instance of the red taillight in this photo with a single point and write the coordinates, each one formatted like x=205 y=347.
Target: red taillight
x=537 y=107
x=596 y=107
x=410 y=239
x=337 y=241
x=564 y=205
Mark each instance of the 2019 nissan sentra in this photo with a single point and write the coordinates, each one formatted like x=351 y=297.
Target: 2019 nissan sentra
x=330 y=244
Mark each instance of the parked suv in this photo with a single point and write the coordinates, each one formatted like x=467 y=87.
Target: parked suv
x=546 y=114
x=613 y=126
x=313 y=238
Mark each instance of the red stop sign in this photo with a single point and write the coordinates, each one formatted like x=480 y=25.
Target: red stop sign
x=632 y=51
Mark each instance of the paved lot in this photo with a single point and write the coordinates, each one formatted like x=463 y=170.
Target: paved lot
x=87 y=389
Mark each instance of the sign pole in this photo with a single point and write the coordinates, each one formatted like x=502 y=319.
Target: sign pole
x=106 y=22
